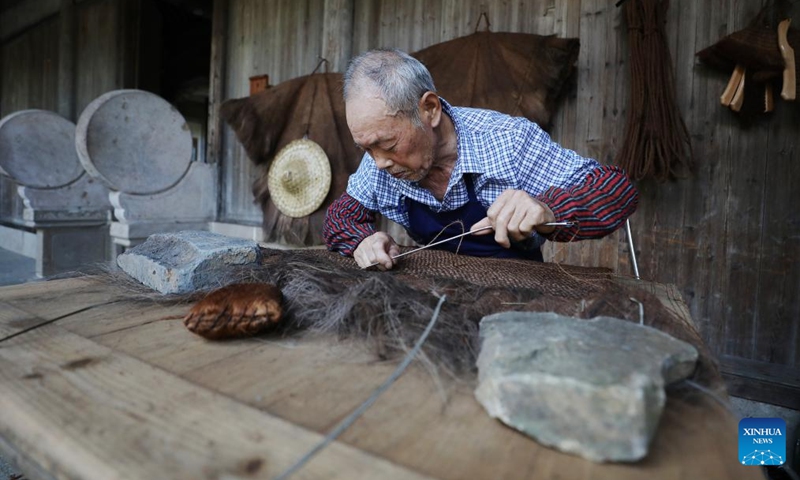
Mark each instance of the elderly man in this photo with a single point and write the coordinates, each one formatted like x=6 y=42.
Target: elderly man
x=428 y=164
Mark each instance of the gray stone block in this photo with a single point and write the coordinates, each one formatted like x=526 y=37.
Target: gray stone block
x=590 y=387
x=186 y=261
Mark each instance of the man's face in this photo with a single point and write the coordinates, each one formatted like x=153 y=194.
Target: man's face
x=404 y=150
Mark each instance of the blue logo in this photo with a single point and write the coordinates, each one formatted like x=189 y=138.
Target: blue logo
x=762 y=441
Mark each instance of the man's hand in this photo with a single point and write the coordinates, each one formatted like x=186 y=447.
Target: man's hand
x=378 y=247
x=516 y=214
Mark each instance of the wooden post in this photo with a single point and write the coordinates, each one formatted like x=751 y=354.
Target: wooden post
x=66 y=61
x=128 y=18
x=337 y=34
x=219 y=30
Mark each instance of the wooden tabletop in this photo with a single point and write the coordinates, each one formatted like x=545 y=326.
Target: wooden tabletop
x=97 y=390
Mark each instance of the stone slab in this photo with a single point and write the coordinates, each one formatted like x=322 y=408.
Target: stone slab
x=589 y=387
x=186 y=261
x=134 y=142
x=37 y=149
x=19 y=240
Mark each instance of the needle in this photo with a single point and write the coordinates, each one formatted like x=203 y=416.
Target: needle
x=549 y=224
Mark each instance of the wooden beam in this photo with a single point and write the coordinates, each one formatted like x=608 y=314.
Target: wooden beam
x=66 y=60
x=337 y=33
x=129 y=21
x=24 y=15
x=761 y=381
x=219 y=30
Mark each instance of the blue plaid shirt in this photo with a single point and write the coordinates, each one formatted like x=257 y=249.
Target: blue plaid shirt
x=502 y=152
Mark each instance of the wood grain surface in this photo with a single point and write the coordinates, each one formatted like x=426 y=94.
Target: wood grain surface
x=123 y=390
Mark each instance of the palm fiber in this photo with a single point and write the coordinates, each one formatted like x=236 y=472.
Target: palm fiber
x=326 y=293
x=515 y=73
x=657 y=144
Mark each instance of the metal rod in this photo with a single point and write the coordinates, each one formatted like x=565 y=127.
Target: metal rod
x=631 y=249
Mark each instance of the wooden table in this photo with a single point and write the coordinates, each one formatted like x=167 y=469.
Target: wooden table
x=98 y=390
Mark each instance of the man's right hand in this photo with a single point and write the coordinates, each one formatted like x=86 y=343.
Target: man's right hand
x=377 y=248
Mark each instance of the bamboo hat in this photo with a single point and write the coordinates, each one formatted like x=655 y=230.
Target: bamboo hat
x=299 y=178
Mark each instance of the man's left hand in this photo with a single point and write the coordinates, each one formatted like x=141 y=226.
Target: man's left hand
x=515 y=214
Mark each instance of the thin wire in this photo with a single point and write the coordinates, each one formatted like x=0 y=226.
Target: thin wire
x=52 y=320
x=725 y=404
x=347 y=422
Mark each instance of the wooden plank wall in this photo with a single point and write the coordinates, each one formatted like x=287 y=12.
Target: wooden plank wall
x=28 y=79
x=282 y=38
x=38 y=73
x=729 y=237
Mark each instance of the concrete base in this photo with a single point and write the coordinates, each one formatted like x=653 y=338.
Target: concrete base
x=58 y=249
x=19 y=240
x=70 y=248
x=249 y=232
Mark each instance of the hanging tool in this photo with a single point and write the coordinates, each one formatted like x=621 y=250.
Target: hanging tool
x=549 y=224
x=789 y=91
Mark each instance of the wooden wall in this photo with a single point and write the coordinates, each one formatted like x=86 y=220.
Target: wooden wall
x=29 y=79
x=729 y=237
x=60 y=56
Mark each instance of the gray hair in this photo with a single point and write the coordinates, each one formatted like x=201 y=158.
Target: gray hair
x=400 y=79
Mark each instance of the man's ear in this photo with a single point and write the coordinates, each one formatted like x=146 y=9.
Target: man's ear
x=430 y=109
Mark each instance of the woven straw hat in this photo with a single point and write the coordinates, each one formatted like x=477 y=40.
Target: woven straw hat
x=299 y=178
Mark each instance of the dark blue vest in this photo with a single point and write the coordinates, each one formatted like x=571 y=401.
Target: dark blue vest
x=427 y=224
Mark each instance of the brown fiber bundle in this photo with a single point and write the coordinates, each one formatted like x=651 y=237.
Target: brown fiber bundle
x=327 y=293
x=657 y=144
x=237 y=310
x=514 y=73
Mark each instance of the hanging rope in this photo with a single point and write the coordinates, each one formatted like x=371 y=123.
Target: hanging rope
x=483 y=16
x=322 y=61
x=657 y=144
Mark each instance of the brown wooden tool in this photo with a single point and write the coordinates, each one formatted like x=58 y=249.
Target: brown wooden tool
x=789 y=91
x=769 y=101
x=738 y=97
x=735 y=84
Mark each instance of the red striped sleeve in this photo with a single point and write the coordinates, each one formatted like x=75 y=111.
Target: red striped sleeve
x=600 y=204
x=347 y=223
